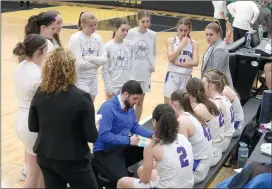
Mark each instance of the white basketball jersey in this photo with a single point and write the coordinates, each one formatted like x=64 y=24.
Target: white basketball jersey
x=175 y=170
x=229 y=117
x=237 y=107
x=199 y=143
x=186 y=54
x=216 y=126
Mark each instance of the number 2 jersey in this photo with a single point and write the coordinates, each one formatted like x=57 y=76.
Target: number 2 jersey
x=175 y=170
x=185 y=55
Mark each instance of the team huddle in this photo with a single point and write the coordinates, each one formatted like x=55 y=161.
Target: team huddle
x=191 y=130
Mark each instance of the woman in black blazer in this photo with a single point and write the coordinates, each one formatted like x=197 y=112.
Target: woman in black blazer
x=64 y=118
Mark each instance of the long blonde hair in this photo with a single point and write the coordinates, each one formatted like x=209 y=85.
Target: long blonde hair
x=58 y=71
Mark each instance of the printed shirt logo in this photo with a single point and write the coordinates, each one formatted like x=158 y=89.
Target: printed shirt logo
x=120 y=60
x=90 y=49
x=141 y=50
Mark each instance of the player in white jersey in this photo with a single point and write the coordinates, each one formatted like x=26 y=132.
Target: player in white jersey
x=236 y=104
x=210 y=112
x=172 y=153
x=27 y=80
x=193 y=127
x=88 y=49
x=117 y=70
x=214 y=90
x=144 y=55
x=43 y=24
x=182 y=53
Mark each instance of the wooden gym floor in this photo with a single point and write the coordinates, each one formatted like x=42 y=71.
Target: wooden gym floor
x=13 y=22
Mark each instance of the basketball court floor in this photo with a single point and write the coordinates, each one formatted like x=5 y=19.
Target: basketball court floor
x=12 y=31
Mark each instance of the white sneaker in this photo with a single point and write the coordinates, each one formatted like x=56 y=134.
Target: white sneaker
x=23 y=175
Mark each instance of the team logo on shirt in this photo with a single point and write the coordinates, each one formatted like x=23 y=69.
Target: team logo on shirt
x=141 y=49
x=120 y=59
x=90 y=48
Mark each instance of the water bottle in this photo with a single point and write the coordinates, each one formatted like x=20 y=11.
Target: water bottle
x=248 y=41
x=260 y=31
x=242 y=154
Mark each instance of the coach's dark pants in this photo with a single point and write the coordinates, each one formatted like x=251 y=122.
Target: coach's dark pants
x=238 y=33
x=113 y=164
x=57 y=174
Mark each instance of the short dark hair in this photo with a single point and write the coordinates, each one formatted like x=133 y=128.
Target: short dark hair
x=132 y=87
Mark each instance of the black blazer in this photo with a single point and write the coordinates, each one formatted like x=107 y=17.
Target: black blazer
x=65 y=123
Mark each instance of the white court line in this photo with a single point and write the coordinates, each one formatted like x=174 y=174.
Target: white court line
x=145 y=120
x=167 y=29
x=16 y=24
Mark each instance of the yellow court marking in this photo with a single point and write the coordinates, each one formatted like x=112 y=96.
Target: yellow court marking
x=70 y=14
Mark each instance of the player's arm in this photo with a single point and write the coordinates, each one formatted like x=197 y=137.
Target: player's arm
x=195 y=59
x=148 y=164
x=138 y=129
x=171 y=53
x=228 y=94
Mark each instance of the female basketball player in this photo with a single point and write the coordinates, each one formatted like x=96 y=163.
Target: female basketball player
x=172 y=152
x=144 y=55
x=56 y=39
x=88 y=49
x=214 y=86
x=117 y=70
x=182 y=54
x=27 y=80
x=210 y=112
x=43 y=24
x=236 y=104
x=193 y=127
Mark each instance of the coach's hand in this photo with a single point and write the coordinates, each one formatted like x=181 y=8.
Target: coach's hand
x=134 y=140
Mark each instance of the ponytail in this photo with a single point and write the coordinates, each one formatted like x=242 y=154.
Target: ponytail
x=83 y=18
x=184 y=101
x=215 y=26
x=20 y=49
x=32 y=25
x=35 y=22
x=29 y=46
x=195 y=88
x=212 y=108
x=224 y=79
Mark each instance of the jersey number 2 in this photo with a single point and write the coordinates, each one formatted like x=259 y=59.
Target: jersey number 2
x=182 y=157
